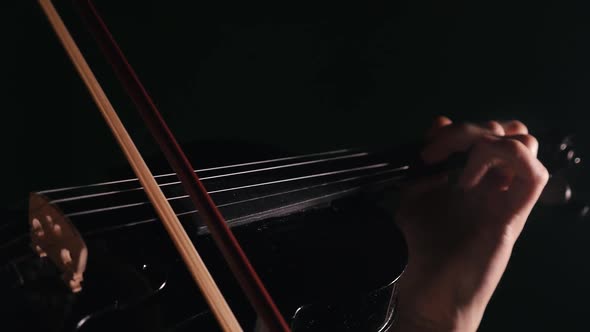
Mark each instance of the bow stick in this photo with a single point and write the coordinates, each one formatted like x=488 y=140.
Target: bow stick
x=235 y=257
x=193 y=261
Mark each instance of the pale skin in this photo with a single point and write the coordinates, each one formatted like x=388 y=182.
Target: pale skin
x=461 y=229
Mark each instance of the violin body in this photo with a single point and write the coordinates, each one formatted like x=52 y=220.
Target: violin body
x=330 y=265
x=329 y=255
x=101 y=260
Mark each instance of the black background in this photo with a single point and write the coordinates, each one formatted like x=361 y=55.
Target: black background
x=305 y=77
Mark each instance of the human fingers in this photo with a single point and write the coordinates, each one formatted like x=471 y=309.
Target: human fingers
x=418 y=187
x=514 y=127
x=438 y=123
x=502 y=180
x=510 y=154
x=528 y=140
x=451 y=139
x=495 y=127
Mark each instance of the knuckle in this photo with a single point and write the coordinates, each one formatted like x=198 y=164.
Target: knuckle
x=531 y=142
x=469 y=128
x=517 y=126
x=483 y=144
x=495 y=127
x=512 y=146
x=541 y=174
x=538 y=174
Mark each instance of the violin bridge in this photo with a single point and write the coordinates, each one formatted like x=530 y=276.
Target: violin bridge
x=55 y=237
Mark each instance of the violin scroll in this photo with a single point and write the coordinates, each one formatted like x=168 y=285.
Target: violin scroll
x=53 y=236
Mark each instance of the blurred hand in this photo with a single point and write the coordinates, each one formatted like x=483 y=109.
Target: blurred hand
x=461 y=232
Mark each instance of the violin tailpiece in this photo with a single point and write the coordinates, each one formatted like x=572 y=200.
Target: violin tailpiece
x=54 y=236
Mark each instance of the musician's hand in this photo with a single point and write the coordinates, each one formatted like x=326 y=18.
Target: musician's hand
x=461 y=229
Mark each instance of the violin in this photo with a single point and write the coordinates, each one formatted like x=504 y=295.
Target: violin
x=309 y=223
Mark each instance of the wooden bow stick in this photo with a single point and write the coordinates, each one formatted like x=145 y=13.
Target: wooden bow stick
x=187 y=250
x=226 y=242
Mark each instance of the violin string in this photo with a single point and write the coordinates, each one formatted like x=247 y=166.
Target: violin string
x=225 y=205
x=25 y=236
x=259 y=162
x=258 y=170
x=185 y=247
x=290 y=207
x=305 y=177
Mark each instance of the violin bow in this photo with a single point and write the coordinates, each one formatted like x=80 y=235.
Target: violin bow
x=223 y=237
x=193 y=261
